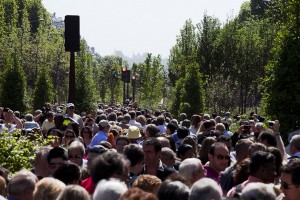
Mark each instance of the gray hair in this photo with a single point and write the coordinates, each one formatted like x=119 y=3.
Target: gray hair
x=205 y=188
x=20 y=182
x=110 y=189
x=188 y=167
x=259 y=191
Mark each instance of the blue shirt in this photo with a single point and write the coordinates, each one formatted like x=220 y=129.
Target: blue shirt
x=100 y=136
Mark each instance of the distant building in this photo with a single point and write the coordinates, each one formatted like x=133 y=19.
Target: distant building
x=57 y=22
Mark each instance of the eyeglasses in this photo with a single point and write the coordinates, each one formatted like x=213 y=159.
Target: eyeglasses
x=74 y=156
x=286 y=186
x=71 y=107
x=222 y=157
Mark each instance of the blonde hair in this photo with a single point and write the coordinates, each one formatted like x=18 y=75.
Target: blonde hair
x=74 y=192
x=48 y=189
x=147 y=183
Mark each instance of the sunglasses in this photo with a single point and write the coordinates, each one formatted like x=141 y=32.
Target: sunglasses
x=221 y=157
x=69 y=136
x=286 y=186
x=71 y=107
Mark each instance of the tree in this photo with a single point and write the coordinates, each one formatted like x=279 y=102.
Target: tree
x=43 y=89
x=13 y=90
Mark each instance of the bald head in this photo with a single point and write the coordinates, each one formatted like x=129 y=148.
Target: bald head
x=164 y=141
x=242 y=148
x=295 y=144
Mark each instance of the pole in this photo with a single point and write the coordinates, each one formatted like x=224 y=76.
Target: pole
x=124 y=95
x=133 y=92
x=127 y=96
x=72 y=78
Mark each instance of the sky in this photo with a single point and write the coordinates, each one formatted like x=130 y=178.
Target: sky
x=138 y=26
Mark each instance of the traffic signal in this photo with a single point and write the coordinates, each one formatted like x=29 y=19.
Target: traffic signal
x=124 y=73
x=133 y=79
x=127 y=76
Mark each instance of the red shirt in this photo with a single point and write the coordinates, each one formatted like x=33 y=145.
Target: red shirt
x=88 y=185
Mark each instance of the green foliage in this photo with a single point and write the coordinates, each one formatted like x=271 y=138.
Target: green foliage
x=17 y=151
x=13 y=93
x=43 y=90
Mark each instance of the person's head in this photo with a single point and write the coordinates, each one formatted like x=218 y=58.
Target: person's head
x=112 y=165
x=70 y=108
x=152 y=149
x=40 y=163
x=22 y=185
x=295 y=144
x=112 y=117
x=137 y=194
x=3 y=186
x=58 y=120
x=69 y=135
x=185 y=151
x=258 y=191
x=50 y=116
x=206 y=188
x=74 y=192
x=278 y=159
x=182 y=132
x=290 y=179
x=168 y=156
x=142 y=120
x=195 y=121
x=121 y=142
x=76 y=152
x=254 y=147
x=192 y=169
x=147 y=183
x=68 y=173
x=174 y=190
x=56 y=157
x=206 y=144
x=218 y=156
x=110 y=189
x=132 y=114
x=171 y=128
x=164 y=141
x=126 y=118
x=29 y=117
x=182 y=116
x=262 y=165
x=241 y=173
x=267 y=138
x=151 y=130
x=160 y=120
x=48 y=188
x=220 y=127
x=135 y=155
x=242 y=148
x=93 y=152
x=86 y=132
x=226 y=140
x=104 y=126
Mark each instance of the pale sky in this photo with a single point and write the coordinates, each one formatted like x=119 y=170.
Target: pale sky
x=138 y=26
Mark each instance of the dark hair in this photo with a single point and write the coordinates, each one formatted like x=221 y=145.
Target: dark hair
x=160 y=120
x=75 y=127
x=134 y=154
x=112 y=117
x=107 y=164
x=216 y=145
x=186 y=123
x=172 y=127
x=182 y=132
x=195 y=120
x=132 y=114
x=260 y=159
x=69 y=173
x=153 y=142
x=153 y=130
x=174 y=190
x=269 y=137
x=57 y=152
x=183 y=149
x=89 y=130
x=293 y=168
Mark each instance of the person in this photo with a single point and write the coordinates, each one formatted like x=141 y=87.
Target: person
x=261 y=169
x=74 y=192
x=134 y=134
x=226 y=179
x=48 y=123
x=76 y=152
x=110 y=189
x=104 y=128
x=168 y=157
x=48 y=188
x=56 y=157
x=259 y=191
x=153 y=165
x=161 y=124
x=22 y=185
x=68 y=136
x=68 y=173
x=295 y=147
x=290 y=179
x=137 y=194
x=151 y=131
x=218 y=157
x=11 y=121
x=195 y=123
x=112 y=165
x=192 y=170
x=71 y=114
x=147 y=183
x=40 y=163
x=30 y=125
x=203 y=154
x=87 y=135
x=3 y=186
x=92 y=154
x=135 y=155
x=132 y=121
x=121 y=142
x=174 y=190
x=185 y=151
x=205 y=188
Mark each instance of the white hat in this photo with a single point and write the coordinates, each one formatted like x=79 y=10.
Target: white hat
x=70 y=105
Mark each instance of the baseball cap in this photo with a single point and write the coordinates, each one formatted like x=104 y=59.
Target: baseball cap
x=104 y=123
x=70 y=105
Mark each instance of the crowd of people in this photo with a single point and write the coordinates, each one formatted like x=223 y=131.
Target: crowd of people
x=116 y=152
